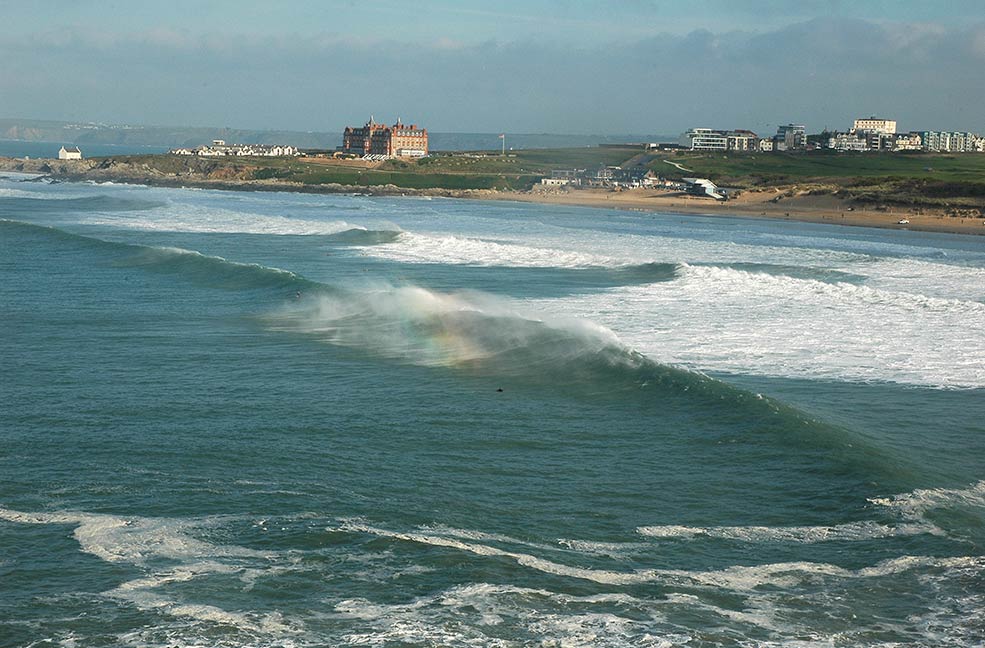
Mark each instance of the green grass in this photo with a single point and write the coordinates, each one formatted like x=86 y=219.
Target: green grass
x=774 y=168
x=535 y=161
x=411 y=180
x=517 y=170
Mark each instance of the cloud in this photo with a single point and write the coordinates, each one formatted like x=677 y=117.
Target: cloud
x=822 y=72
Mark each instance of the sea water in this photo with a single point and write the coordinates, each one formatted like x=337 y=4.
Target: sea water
x=274 y=419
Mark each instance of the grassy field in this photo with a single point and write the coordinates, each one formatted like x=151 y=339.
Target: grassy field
x=953 y=180
x=516 y=170
x=915 y=179
x=767 y=168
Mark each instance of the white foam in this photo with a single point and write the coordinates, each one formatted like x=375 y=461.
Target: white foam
x=733 y=321
x=519 y=247
x=865 y=530
x=923 y=277
x=144 y=542
x=178 y=217
x=611 y=549
x=469 y=615
x=737 y=578
x=6 y=192
x=916 y=504
x=412 y=247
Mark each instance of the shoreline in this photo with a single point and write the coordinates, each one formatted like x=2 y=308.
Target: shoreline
x=826 y=209
x=778 y=204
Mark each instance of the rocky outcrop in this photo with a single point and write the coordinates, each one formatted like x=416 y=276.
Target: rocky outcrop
x=180 y=171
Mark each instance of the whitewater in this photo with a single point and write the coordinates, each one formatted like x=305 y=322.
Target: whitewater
x=278 y=419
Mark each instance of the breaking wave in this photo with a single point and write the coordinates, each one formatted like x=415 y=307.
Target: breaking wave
x=360 y=237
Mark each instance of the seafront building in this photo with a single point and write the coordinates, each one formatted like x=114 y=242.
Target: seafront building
x=874 y=125
x=847 y=142
x=878 y=134
x=70 y=153
x=954 y=142
x=219 y=148
x=791 y=137
x=375 y=139
x=704 y=139
x=708 y=139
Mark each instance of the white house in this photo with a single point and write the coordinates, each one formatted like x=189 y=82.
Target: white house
x=71 y=153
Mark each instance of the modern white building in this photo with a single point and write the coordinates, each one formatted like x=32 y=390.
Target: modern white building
x=704 y=187
x=875 y=125
x=848 y=142
x=704 y=139
x=908 y=142
x=70 y=153
x=955 y=142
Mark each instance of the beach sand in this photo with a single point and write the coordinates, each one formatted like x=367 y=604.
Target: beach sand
x=807 y=208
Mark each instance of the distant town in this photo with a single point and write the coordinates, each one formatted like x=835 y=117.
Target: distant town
x=377 y=141
x=867 y=134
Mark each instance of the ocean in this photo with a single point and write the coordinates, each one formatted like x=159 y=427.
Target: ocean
x=35 y=150
x=276 y=419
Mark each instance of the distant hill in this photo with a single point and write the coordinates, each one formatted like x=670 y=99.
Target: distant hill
x=82 y=134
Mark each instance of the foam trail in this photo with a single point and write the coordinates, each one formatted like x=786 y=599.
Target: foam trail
x=143 y=542
x=412 y=247
x=737 y=578
x=866 y=530
x=582 y=251
x=916 y=504
x=204 y=220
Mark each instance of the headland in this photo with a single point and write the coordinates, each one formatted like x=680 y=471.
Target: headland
x=937 y=193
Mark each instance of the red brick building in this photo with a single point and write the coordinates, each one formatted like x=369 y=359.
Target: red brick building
x=398 y=140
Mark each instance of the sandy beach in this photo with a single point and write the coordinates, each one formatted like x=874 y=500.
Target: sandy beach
x=806 y=208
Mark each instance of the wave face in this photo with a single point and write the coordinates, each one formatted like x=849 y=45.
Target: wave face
x=279 y=420
x=25 y=203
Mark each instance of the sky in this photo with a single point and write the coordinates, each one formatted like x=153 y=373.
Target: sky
x=532 y=66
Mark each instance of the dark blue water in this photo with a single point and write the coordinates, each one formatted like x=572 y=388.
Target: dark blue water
x=284 y=420
x=19 y=149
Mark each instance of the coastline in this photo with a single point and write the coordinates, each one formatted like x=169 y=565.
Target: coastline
x=780 y=203
x=825 y=209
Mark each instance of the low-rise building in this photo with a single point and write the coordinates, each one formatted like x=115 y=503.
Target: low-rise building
x=704 y=139
x=875 y=125
x=219 y=148
x=908 y=142
x=555 y=182
x=709 y=139
x=704 y=187
x=791 y=137
x=742 y=140
x=848 y=142
x=69 y=153
x=951 y=142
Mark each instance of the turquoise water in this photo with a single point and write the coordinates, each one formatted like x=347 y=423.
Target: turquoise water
x=235 y=419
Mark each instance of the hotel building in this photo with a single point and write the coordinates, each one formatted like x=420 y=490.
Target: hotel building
x=398 y=140
x=875 y=125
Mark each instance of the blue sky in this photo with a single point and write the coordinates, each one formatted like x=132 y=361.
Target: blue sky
x=626 y=66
